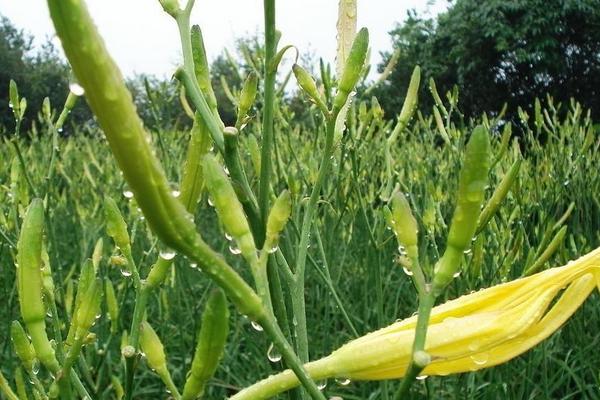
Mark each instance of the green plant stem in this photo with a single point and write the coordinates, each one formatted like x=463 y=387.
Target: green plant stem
x=6 y=389
x=426 y=302
x=269 y=104
x=134 y=336
x=298 y=282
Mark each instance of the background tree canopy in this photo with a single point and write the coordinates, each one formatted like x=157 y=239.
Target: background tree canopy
x=500 y=51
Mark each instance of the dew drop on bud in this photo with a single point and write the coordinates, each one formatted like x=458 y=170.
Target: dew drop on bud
x=342 y=381
x=273 y=354
x=422 y=377
x=126 y=273
x=407 y=271
x=128 y=194
x=273 y=249
x=321 y=384
x=234 y=250
x=480 y=358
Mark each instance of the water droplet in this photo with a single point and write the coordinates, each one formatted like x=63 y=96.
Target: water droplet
x=210 y=202
x=128 y=194
x=456 y=274
x=176 y=193
x=480 y=358
x=273 y=249
x=35 y=367
x=193 y=266
x=76 y=89
x=228 y=237
x=422 y=377
x=321 y=384
x=226 y=170
x=466 y=252
x=273 y=354
x=235 y=250
x=407 y=271
x=402 y=250
x=167 y=254
x=256 y=326
x=126 y=273
x=343 y=381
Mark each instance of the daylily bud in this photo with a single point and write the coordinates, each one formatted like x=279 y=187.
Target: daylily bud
x=404 y=224
x=23 y=347
x=307 y=83
x=353 y=68
x=112 y=305
x=152 y=347
x=115 y=224
x=210 y=346
x=247 y=96
x=278 y=217
x=171 y=7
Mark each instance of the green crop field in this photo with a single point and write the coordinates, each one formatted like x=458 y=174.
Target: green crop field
x=252 y=261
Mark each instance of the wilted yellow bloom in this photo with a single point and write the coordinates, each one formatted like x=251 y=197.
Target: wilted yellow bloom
x=476 y=331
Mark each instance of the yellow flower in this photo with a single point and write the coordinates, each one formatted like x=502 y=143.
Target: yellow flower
x=475 y=331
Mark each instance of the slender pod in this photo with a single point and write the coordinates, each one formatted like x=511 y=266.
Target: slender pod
x=112 y=305
x=192 y=180
x=155 y=356
x=278 y=217
x=247 y=97
x=545 y=256
x=412 y=97
x=471 y=190
x=211 y=343
x=29 y=257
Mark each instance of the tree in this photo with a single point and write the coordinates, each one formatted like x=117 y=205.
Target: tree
x=503 y=52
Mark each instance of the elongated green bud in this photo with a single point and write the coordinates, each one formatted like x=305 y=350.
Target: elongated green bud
x=499 y=194
x=112 y=305
x=158 y=273
x=436 y=97
x=254 y=150
x=353 y=69
x=211 y=343
x=29 y=276
x=404 y=224
x=201 y=68
x=545 y=256
x=97 y=254
x=47 y=281
x=89 y=307
x=471 y=190
x=230 y=210
x=307 y=83
x=13 y=95
x=193 y=178
x=115 y=224
x=152 y=347
x=23 y=347
x=440 y=125
x=278 y=217
x=86 y=278
x=411 y=99
x=247 y=97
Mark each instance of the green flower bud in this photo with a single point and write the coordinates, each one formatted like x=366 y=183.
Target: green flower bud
x=230 y=210
x=115 y=224
x=353 y=68
x=29 y=257
x=471 y=190
x=97 y=254
x=499 y=194
x=307 y=83
x=112 y=305
x=411 y=99
x=404 y=224
x=89 y=307
x=247 y=97
x=158 y=272
x=153 y=348
x=23 y=347
x=46 y=108
x=254 y=150
x=13 y=95
x=211 y=343
x=201 y=68
x=278 y=217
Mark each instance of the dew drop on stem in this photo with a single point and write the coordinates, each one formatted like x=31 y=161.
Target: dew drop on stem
x=234 y=250
x=167 y=254
x=128 y=194
x=256 y=326
x=273 y=354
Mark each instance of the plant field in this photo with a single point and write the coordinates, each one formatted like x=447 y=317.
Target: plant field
x=316 y=232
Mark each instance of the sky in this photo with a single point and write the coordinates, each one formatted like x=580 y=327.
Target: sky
x=143 y=39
